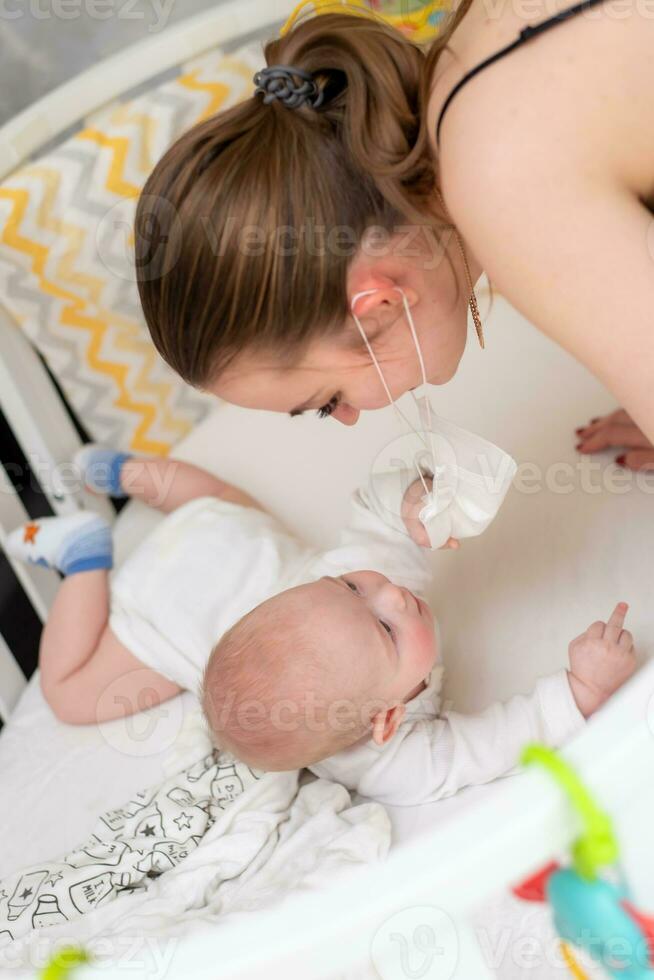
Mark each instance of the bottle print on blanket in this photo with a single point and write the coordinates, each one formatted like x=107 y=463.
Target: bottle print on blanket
x=131 y=846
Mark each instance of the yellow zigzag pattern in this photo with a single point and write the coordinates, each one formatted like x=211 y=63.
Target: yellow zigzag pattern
x=73 y=236
x=126 y=334
x=119 y=145
x=130 y=339
x=126 y=115
x=238 y=68
x=130 y=336
x=217 y=90
x=73 y=316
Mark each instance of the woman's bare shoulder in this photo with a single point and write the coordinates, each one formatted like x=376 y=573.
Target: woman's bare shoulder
x=576 y=101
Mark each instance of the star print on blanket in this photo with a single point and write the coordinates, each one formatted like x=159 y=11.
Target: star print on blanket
x=129 y=847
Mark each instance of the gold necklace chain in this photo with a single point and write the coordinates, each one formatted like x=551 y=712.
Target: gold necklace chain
x=474 y=305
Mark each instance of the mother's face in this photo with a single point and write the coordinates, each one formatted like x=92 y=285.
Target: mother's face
x=335 y=376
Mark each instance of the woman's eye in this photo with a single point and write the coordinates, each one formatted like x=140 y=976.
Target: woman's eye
x=329 y=408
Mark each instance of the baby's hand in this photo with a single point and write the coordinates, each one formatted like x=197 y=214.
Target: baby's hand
x=411 y=507
x=601 y=660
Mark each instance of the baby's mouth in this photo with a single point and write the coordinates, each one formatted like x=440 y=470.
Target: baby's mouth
x=421 y=606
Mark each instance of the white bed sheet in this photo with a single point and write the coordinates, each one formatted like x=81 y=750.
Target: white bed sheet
x=508 y=603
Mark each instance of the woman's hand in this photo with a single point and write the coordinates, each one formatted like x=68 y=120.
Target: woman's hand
x=618 y=429
x=411 y=507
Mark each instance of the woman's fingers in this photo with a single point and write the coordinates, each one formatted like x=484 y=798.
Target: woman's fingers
x=637 y=459
x=623 y=434
x=618 y=429
x=620 y=416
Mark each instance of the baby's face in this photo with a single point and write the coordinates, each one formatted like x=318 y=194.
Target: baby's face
x=322 y=665
x=380 y=630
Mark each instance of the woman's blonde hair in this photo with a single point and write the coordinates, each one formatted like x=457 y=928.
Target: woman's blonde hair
x=247 y=226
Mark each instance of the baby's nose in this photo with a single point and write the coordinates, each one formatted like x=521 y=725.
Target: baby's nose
x=395 y=595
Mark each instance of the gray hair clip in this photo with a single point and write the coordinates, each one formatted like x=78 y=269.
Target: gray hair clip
x=280 y=84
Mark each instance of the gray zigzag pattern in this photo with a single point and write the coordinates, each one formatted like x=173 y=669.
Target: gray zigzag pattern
x=86 y=395
x=125 y=301
x=125 y=297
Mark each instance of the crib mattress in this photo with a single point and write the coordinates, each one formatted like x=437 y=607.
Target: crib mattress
x=568 y=544
x=55 y=780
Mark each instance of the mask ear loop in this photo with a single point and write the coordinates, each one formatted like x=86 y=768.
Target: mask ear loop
x=421 y=361
x=373 y=357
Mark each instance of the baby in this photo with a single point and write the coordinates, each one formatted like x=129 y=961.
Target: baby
x=300 y=658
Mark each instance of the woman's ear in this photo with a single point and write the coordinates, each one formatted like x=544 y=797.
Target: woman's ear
x=376 y=294
x=386 y=723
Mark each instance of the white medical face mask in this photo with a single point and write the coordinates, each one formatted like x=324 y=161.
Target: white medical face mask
x=471 y=476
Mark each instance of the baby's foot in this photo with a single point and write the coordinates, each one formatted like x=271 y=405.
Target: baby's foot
x=100 y=468
x=81 y=542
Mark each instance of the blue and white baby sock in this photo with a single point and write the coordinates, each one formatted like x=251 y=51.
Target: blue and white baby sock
x=81 y=542
x=100 y=469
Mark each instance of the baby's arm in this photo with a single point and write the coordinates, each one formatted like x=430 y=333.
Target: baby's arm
x=429 y=761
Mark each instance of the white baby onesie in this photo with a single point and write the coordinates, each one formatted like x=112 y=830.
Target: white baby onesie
x=211 y=562
x=432 y=756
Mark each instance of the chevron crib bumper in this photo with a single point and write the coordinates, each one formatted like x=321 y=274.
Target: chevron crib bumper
x=66 y=256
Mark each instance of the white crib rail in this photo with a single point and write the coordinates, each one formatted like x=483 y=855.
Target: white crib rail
x=42 y=122
x=523 y=823
x=40 y=423
x=12 y=681
x=39 y=585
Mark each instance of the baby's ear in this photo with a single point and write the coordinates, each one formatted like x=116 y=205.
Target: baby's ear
x=386 y=723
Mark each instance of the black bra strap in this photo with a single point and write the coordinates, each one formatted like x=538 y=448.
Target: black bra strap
x=526 y=34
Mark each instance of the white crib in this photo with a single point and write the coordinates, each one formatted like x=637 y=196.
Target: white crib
x=488 y=841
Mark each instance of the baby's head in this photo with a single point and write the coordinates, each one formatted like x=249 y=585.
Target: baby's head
x=317 y=668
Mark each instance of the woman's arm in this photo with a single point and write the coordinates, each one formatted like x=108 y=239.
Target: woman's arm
x=575 y=255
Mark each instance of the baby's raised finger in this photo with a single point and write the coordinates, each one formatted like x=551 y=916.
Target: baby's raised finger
x=616 y=622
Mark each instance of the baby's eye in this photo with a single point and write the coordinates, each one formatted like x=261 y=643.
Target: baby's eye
x=352 y=586
x=386 y=627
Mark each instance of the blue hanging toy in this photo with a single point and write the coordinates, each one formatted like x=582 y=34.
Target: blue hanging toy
x=592 y=912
